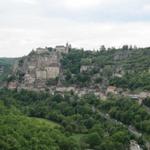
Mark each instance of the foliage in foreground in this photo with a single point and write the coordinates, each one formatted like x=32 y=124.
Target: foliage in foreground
x=79 y=124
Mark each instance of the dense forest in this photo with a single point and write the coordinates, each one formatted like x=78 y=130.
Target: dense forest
x=6 y=67
x=31 y=120
x=127 y=68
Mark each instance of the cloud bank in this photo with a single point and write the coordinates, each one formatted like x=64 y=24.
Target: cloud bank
x=27 y=24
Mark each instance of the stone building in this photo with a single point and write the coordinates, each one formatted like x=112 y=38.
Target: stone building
x=39 y=66
x=42 y=50
x=12 y=85
x=62 y=48
x=111 y=89
x=52 y=72
x=41 y=74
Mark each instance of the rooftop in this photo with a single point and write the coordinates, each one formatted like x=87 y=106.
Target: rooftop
x=60 y=46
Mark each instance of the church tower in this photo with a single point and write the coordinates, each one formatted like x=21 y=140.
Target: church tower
x=68 y=47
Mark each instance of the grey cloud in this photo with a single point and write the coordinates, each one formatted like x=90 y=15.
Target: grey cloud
x=27 y=24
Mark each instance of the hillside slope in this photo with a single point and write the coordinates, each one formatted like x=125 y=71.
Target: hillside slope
x=76 y=100
x=83 y=71
x=79 y=122
x=6 y=65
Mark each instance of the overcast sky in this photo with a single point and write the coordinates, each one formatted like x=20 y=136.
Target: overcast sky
x=28 y=24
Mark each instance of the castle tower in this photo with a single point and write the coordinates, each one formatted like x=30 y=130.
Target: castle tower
x=68 y=46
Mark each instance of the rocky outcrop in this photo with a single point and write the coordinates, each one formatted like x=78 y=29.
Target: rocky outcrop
x=34 y=70
x=134 y=146
x=52 y=72
x=85 y=68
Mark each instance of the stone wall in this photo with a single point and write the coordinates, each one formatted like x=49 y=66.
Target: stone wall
x=12 y=85
x=36 y=68
x=41 y=74
x=52 y=72
x=42 y=50
x=62 y=48
x=29 y=79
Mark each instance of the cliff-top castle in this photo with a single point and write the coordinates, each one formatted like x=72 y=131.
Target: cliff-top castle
x=39 y=66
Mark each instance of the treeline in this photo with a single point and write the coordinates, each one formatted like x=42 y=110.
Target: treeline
x=19 y=132
x=129 y=112
x=133 y=81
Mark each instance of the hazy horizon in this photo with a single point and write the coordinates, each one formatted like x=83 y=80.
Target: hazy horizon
x=88 y=24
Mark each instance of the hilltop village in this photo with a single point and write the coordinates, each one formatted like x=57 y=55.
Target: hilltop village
x=44 y=70
x=38 y=67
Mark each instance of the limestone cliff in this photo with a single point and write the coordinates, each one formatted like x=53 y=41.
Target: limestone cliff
x=34 y=70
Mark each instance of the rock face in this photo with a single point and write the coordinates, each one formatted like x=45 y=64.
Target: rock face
x=36 y=68
x=41 y=74
x=85 y=68
x=52 y=72
x=134 y=146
